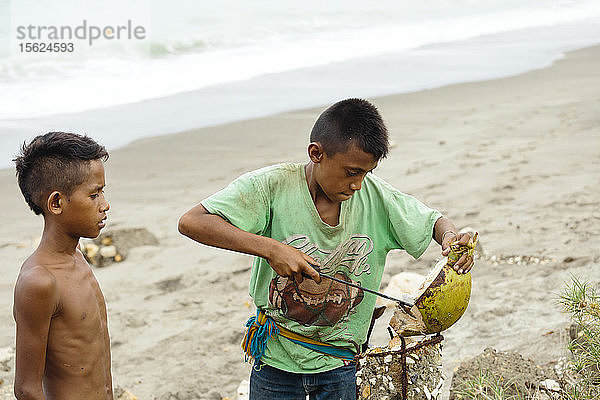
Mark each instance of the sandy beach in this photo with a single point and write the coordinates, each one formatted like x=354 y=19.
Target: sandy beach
x=517 y=159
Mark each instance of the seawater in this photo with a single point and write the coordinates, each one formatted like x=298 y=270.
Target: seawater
x=207 y=62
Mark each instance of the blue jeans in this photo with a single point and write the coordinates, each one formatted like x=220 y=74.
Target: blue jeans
x=268 y=383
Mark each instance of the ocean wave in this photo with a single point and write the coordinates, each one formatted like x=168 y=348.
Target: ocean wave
x=167 y=48
x=201 y=51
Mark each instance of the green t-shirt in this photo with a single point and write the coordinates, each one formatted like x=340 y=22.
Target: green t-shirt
x=275 y=202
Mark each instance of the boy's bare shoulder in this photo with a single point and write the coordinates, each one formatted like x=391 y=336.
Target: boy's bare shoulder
x=35 y=284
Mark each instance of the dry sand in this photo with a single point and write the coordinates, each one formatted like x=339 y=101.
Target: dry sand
x=516 y=158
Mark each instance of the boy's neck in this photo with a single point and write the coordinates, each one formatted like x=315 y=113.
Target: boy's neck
x=55 y=240
x=316 y=193
x=328 y=210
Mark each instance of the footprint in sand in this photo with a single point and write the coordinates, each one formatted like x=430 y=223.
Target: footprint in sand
x=170 y=284
x=503 y=188
x=134 y=321
x=502 y=200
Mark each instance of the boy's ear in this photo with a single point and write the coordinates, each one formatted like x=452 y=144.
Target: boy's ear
x=315 y=152
x=55 y=203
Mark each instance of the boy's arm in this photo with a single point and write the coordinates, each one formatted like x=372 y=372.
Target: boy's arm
x=35 y=302
x=444 y=232
x=198 y=224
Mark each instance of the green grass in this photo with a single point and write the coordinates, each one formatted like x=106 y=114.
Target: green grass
x=486 y=386
x=582 y=302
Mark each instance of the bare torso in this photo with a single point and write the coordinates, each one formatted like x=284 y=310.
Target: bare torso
x=78 y=351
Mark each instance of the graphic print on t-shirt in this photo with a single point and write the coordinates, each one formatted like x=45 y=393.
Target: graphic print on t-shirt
x=309 y=303
x=329 y=302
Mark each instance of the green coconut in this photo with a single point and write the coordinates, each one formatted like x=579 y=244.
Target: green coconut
x=440 y=300
x=443 y=298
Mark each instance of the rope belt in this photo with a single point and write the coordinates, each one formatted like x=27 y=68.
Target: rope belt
x=261 y=327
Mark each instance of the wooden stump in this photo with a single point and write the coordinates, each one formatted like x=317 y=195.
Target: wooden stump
x=405 y=371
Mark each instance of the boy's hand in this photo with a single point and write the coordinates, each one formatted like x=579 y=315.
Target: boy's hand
x=465 y=262
x=292 y=263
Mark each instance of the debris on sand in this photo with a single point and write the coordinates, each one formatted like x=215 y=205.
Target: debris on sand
x=123 y=394
x=114 y=245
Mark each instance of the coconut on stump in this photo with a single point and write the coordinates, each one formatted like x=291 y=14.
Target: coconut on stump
x=410 y=366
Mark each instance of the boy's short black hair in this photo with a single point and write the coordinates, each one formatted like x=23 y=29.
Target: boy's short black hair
x=54 y=161
x=351 y=121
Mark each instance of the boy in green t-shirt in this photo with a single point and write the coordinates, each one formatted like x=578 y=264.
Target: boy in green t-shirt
x=330 y=214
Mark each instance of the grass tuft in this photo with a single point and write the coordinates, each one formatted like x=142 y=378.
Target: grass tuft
x=486 y=386
x=581 y=300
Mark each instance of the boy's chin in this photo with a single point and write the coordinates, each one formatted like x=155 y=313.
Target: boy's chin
x=343 y=197
x=337 y=197
x=91 y=235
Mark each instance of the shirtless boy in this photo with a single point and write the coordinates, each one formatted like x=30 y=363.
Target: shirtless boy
x=62 y=342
